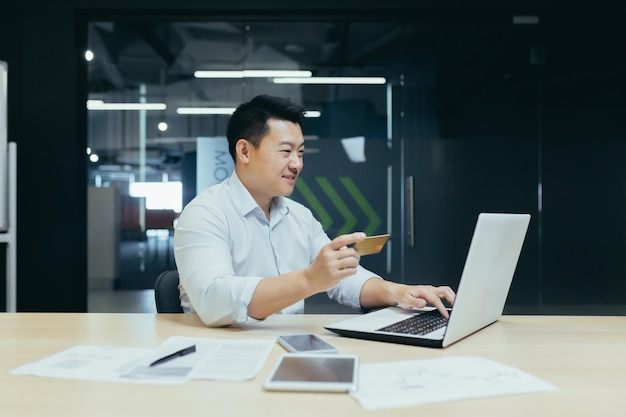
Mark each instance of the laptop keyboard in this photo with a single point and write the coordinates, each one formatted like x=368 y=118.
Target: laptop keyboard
x=418 y=324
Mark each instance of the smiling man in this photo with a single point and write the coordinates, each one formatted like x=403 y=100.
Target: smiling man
x=244 y=251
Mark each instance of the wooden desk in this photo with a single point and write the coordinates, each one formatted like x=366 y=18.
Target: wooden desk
x=584 y=356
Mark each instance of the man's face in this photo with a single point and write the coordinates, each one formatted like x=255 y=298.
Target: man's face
x=278 y=161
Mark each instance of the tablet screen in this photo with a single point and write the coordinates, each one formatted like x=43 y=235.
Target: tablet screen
x=314 y=372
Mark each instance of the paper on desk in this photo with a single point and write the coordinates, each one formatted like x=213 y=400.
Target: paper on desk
x=409 y=383
x=90 y=363
x=234 y=360
x=218 y=359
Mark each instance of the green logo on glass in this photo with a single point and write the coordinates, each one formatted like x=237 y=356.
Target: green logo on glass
x=343 y=205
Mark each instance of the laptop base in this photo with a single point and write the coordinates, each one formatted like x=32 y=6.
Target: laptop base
x=387 y=338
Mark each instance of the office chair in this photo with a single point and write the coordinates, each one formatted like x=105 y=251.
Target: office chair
x=166 y=293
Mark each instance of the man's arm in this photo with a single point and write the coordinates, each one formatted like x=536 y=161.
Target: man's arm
x=334 y=262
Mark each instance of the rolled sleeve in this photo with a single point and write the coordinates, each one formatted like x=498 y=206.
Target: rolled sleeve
x=208 y=284
x=220 y=301
x=348 y=291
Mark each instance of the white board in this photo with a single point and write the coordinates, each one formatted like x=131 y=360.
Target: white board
x=213 y=162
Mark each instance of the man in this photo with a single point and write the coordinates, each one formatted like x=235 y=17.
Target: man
x=244 y=251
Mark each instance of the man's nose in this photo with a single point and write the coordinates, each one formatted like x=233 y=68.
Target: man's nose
x=296 y=160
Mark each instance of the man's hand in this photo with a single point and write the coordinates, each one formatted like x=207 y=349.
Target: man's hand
x=380 y=293
x=335 y=261
x=418 y=296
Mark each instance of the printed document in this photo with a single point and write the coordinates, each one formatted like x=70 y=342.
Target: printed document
x=217 y=359
x=410 y=383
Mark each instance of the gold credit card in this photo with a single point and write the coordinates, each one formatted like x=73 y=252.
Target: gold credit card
x=371 y=244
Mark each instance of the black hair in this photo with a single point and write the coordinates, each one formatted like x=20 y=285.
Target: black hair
x=249 y=120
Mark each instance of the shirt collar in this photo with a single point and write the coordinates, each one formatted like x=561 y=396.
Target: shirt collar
x=247 y=204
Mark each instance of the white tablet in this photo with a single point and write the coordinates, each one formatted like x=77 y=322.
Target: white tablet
x=314 y=372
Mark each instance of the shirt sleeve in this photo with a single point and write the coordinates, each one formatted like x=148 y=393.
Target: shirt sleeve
x=348 y=291
x=207 y=280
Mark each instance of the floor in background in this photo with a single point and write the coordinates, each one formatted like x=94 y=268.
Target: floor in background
x=141 y=261
x=132 y=301
x=142 y=301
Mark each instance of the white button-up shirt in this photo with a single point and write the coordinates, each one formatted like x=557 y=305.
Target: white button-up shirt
x=224 y=246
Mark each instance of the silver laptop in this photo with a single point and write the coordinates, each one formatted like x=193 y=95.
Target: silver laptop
x=483 y=289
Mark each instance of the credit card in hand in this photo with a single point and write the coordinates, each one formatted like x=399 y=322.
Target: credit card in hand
x=371 y=244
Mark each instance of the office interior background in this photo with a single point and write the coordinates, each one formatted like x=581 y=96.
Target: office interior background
x=488 y=107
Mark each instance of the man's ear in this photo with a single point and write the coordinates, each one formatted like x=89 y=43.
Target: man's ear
x=242 y=149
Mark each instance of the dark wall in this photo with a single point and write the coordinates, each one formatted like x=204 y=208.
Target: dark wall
x=547 y=138
x=38 y=42
x=42 y=42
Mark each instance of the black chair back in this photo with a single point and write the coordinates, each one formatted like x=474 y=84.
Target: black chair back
x=166 y=293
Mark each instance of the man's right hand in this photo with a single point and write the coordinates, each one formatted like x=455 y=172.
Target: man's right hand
x=335 y=261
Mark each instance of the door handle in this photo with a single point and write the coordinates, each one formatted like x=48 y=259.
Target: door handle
x=410 y=211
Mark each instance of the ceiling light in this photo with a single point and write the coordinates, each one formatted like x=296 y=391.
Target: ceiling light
x=331 y=80
x=205 y=110
x=252 y=74
x=100 y=105
x=229 y=110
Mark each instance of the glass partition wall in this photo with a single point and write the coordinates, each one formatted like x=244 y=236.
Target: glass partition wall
x=415 y=125
x=160 y=95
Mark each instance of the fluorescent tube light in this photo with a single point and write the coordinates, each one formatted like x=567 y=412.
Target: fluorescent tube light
x=331 y=80
x=218 y=74
x=229 y=111
x=100 y=105
x=205 y=110
x=252 y=74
